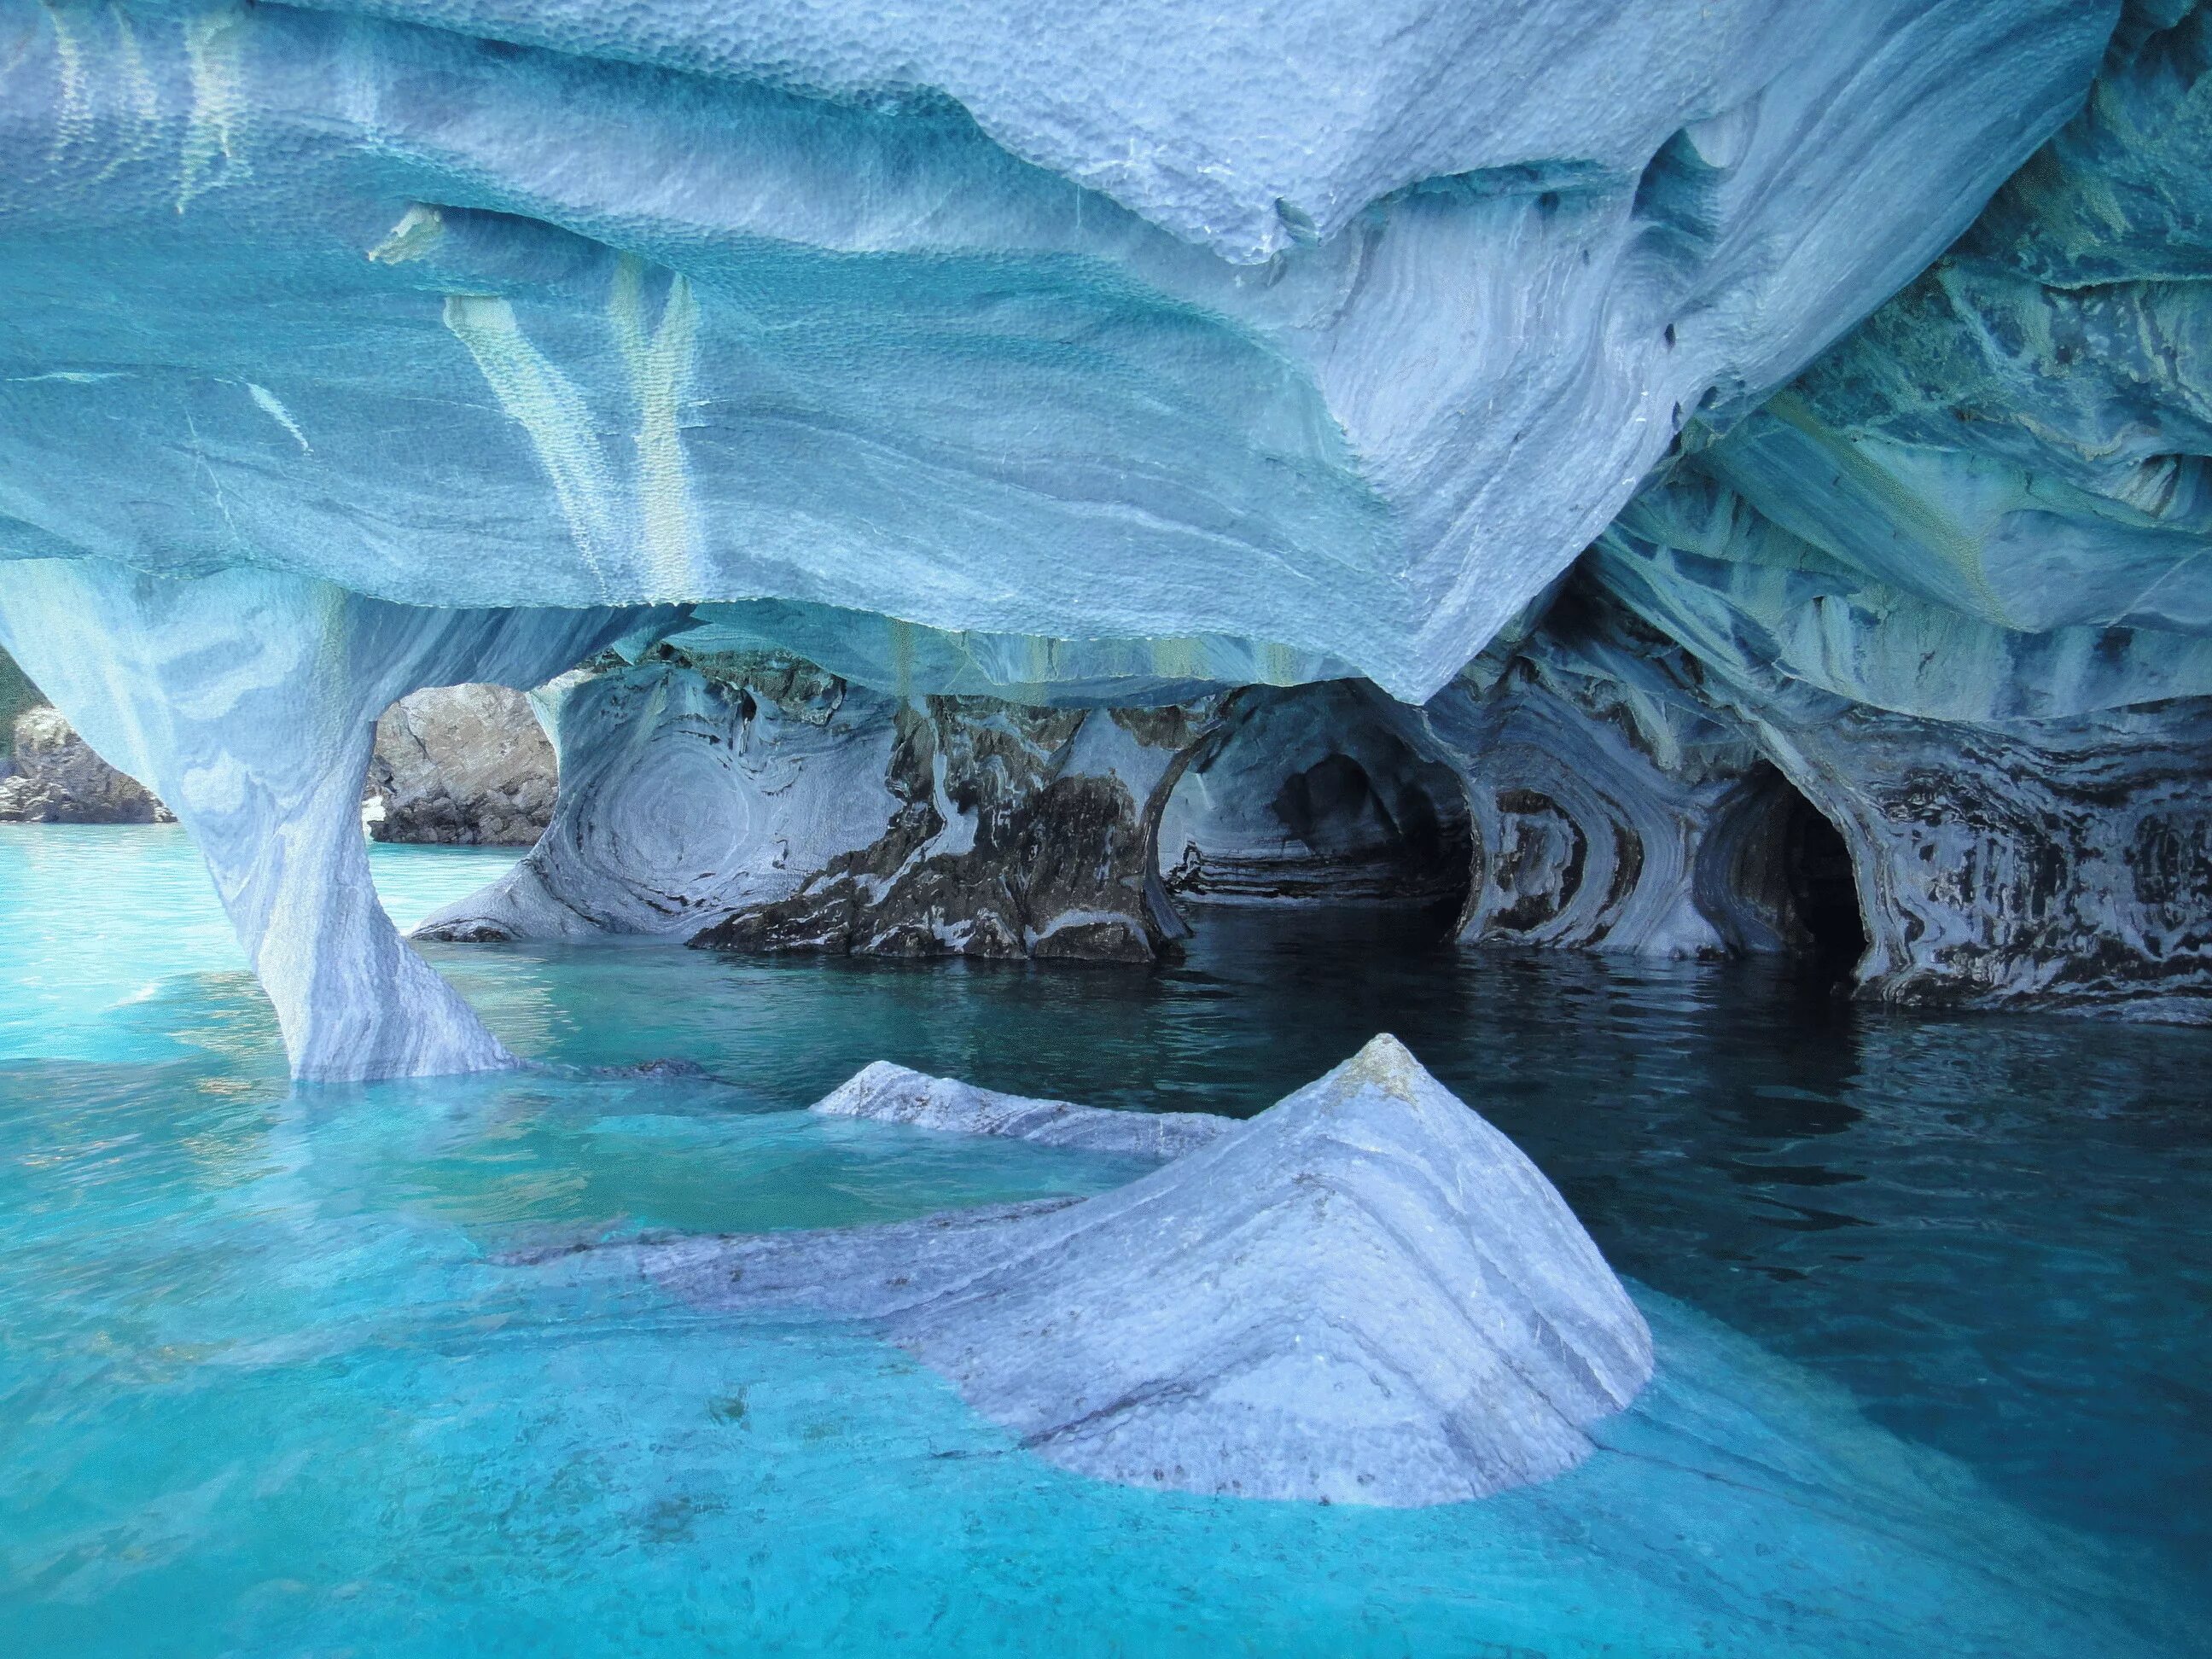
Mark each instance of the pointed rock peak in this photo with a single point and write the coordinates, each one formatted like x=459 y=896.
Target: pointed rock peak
x=1365 y=1294
x=1388 y=1065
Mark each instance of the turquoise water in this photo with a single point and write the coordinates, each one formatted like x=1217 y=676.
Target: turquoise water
x=1932 y=1298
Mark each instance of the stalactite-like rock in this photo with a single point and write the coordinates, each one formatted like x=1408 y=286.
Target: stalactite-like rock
x=1366 y=1295
x=1354 y=330
x=1352 y=338
x=247 y=701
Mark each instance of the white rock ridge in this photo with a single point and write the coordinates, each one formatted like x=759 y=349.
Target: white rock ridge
x=1366 y=1294
x=893 y=1094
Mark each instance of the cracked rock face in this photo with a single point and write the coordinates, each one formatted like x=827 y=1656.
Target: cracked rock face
x=463 y=765
x=54 y=777
x=1365 y=1294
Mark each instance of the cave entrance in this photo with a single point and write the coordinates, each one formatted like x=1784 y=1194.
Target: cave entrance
x=1817 y=867
x=1775 y=876
x=1313 y=800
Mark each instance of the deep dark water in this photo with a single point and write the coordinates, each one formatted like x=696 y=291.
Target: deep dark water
x=1992 y=1228
x=237 y=1316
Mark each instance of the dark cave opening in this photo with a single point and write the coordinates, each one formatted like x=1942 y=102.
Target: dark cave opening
x=1776 y=877
x=1817 y=867
x=1313 y=801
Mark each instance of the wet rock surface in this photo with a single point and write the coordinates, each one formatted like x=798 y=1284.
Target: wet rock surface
x=1365 y=1294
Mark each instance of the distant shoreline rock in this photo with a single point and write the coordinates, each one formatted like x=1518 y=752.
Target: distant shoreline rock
x=456 y=765
x=461 y=765
x=54 y=777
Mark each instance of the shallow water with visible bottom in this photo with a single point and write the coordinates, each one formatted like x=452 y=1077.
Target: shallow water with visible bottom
x=1930 y=1296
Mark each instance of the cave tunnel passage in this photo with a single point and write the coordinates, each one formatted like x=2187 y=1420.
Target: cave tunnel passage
x=1776 y=877
x=1313 y=800
x=1817 y=866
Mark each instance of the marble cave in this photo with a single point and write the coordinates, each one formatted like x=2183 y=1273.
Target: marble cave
x=1180 y=827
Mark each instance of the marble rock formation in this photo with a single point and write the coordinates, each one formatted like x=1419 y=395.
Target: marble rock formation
x=686 y=797
x=1366 y=1295
x=1614 y=807
x=1014 y=832
x=1309 y=794
x=1953 y=581
x=756 y=802
x=1021 y=379
x=1356 y=325
x=460 y=765
x=52 y=776
x=886 y=1093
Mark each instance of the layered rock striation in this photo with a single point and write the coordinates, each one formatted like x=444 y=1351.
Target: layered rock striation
x=1737 y=469
x=1366 y=1294
x=756 y=802
x=1355 y=331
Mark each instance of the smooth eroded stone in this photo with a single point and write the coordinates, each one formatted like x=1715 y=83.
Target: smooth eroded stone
x=1366 y=1294
x=893 y=1094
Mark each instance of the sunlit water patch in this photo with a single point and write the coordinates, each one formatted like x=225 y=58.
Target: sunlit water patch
x=1930 y=1297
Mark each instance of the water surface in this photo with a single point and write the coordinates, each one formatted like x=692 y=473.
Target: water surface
x=265 y=1385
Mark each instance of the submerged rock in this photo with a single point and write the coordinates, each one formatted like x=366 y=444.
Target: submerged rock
x=1366 y=1294
x=893 y=1094
x=54 y=777
x=462 y=764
